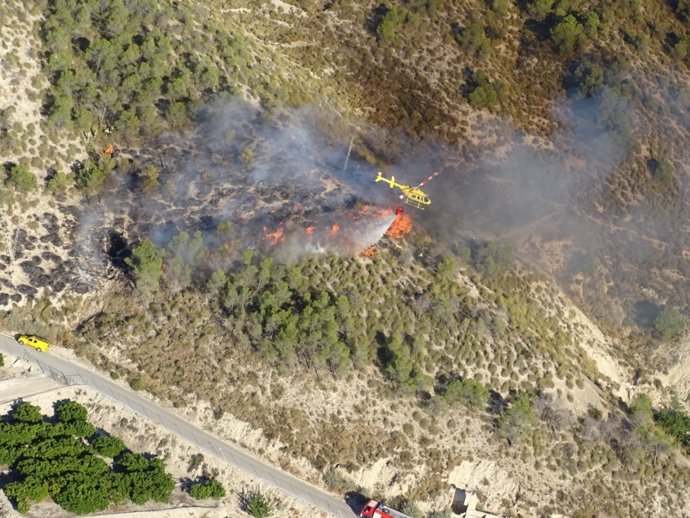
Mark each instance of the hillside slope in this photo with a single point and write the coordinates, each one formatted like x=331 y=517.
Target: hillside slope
x=198 y=258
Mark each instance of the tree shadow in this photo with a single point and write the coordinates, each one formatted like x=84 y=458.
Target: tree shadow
x=645 y=313
x=355 y=501
x=497 y=403
x=118 y=250
x=186 y=483
x=376 y=17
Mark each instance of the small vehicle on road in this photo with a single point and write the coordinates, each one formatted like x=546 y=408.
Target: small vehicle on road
x=38 y=343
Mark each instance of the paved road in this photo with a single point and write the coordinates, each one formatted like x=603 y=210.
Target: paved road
x=76 y=374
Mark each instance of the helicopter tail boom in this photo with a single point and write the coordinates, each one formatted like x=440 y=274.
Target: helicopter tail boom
x=391 y=182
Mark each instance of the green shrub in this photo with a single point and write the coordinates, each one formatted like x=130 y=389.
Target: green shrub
x=136 y=383
x=411 y=509
x=468 y=392
x=589 y=78
x=568 y=36
x=336 y=482
x=539 y=9
x=683 y=9
x=395 y=18
x=145 y=479
x=483 y=93
x=24 y=492
x=207 y=488
x=58 y=183
x=669 y=324
x=194 y=462
x=662 y=171
x=89 y=177
x=147 y=266
x=258 y=504
x=518 y=420
x=500 y=7
x=676 y=423
x=68 y=411
x=473 y=40
x=21 y=178
x=109 y=446
x=27 y=413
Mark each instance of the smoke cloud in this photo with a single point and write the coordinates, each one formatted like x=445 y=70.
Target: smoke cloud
x=243 y=179
x=586 y=199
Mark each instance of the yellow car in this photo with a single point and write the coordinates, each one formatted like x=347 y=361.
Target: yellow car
x=34 y=341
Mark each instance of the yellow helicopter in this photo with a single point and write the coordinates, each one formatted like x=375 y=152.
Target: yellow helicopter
x=412 y=195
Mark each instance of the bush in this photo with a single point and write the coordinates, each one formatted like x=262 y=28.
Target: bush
x=136 y=383
x=411 y=509
x=669 y=325
x=337 y=482
x=517 y=420
x=88 y=177
x=473 y=39
x=68 y=411
x=58 y=183
x=24 y=492
x=500 y=7
x=683 y=9
x=662 y=171
x=676 y=423
x=589 y=78
x=21 y=178
x=483 y=96
x=145 y=479
x=491 y=259
x=482 y=93
x=389 y=24
x=109 y=446
x=469 y=392
x=194 y=462
x=568 y=36
x=147 y=266
x=258 y=504
x=27 y=413
x=207 y=488
x=539 y=9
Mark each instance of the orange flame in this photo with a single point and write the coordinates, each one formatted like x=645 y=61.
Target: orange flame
x=309 y=230
x=109 y=149
x=402 y=224
x=369 y=252
x=274 y=237
x=334 y=229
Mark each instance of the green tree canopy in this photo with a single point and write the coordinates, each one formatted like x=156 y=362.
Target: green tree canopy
x=68 y=411
x=109 y=446
x=21 y=178
x=669 y=324
x=589 y=77
x=147 y=266
x=518 y=420
x=207 y=488
x=568 y=35
x=539 y=9
x=469 y=392
x=89 y=177
x=27 y=413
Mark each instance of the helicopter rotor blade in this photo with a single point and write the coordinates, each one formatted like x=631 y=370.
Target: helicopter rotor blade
x=429 y=178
